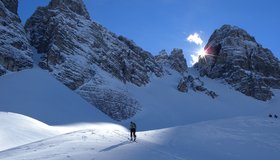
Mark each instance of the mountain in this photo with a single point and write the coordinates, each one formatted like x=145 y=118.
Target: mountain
x=235 y=56
x=15 y=50
x=74 y=49
x=124 y=81
x=49 y=107
x=46 y=99
x=172 y=125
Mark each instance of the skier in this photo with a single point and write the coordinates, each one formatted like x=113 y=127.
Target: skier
x=132 y=131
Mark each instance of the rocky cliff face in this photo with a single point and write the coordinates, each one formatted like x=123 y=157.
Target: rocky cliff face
x=71 y=44
x=11 y=5
x=175 y=60
x=236 y=57
x=15 y=50
x=59 y=32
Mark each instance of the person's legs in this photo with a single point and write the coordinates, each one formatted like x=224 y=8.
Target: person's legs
x=134 y=134
x=131 y=133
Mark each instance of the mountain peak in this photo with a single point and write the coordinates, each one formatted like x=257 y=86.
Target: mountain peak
x=228 y=31
x=175 y=60
x=76 y=6
x=237 y=58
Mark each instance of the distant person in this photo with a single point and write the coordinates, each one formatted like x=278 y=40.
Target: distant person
x=270 y=115
x=132 y=128
x=275 y=116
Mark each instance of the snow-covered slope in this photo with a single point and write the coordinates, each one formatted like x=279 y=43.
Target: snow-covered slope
x=37 y=94
x=207 y=127
x=16 y=129
x=239 y=138
x=163 y=106
x=124 y=81
x=42 y=97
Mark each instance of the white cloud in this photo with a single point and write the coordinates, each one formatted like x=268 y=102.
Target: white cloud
x=194 y=59
x=195 y=38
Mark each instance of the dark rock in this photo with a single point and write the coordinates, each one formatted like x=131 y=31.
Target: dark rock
x=76 y=6
x=11 y=5
x=62 y=36
x=211 y=94
x=236 y=57
x=178 y=61
x=15 y=50
x=72 y=46
x=183 y=85
x=175 y=60
x=196 y=85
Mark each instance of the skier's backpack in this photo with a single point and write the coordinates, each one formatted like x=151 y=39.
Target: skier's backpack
x=133 y=125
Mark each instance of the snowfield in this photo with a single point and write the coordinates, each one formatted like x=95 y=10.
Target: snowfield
x=239 y=138
x=16 y=129
x=52 y=122
x=35 y=93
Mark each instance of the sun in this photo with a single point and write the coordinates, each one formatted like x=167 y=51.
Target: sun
x=201 y=53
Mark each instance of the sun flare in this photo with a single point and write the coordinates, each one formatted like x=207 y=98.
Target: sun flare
x=201 y=53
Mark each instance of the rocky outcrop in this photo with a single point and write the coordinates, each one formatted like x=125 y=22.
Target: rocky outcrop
x=236 y=57
x=175 y=60
x=11 y=5
x=71 y=44
x=196 y=85
x=15 y=50
x=62 y=35
x=75 y=6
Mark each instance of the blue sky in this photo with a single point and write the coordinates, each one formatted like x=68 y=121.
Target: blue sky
x=165 y=24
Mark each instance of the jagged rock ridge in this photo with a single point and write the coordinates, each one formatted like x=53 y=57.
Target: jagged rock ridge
x=71 y=44
x=76 y=6
x=236 y=57
x=175 y=60
x=15 y=50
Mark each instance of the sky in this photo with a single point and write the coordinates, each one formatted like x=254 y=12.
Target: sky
x=166 y=24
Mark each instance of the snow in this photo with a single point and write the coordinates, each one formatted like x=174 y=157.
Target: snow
x=237 y=138
x=55 y=123
x=37 y=94
x=160 y=99
x=16 y=129
x=240 y=138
